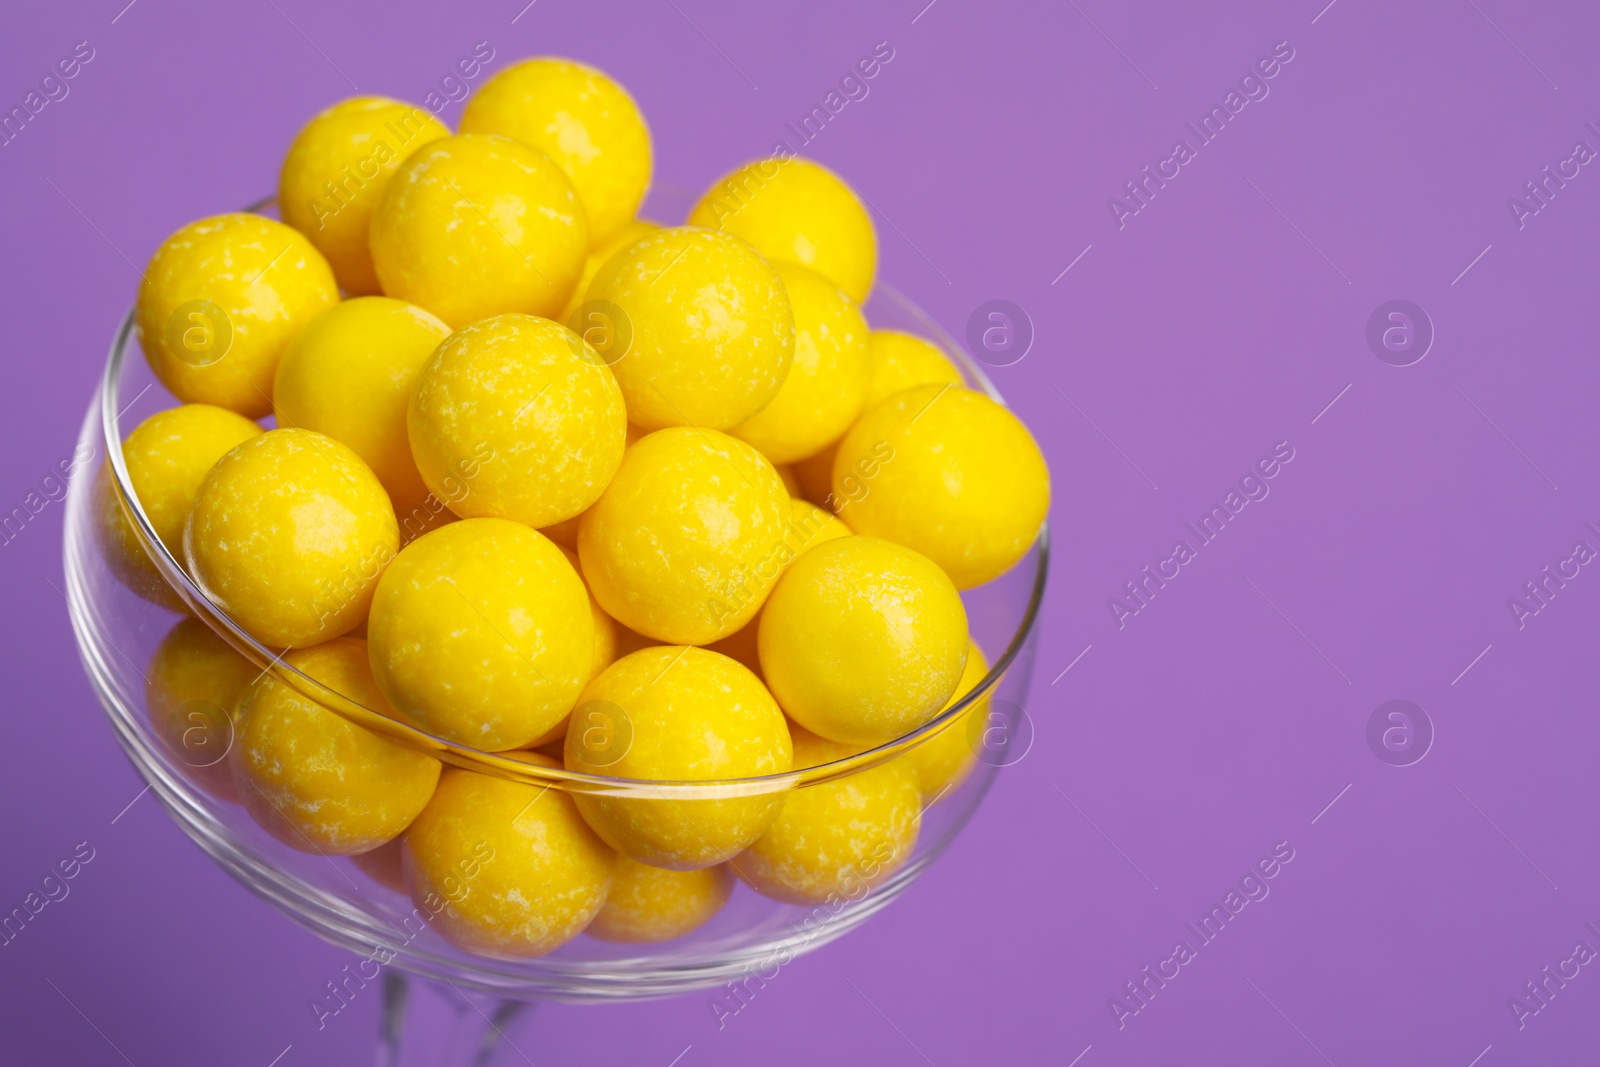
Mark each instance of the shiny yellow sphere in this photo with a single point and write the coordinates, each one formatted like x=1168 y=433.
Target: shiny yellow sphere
x=595 y=319
x=288 y=535
x=581 y=119
x=315 y=780
x=168 y=455
x=219 y=302
x=835 y=842
x=476 y=226
x=192 y=690
x=481 y=633
x=507 y=869
x=943 y=761
x=966 y=485
x=648 y=904
x=704 y=334
x=676 y=713
x=529 y=407
x=796 y=211
x=897 y=361
x=349 y=374
x=827 y=379
x=688 y=538
x=335 y=174
x=863 y=640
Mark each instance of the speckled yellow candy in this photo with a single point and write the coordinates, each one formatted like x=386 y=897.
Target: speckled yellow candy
x=476 y=226
x=168 y=456
x=525 y=403
x=837 y=841
x=796 y=211
x=336 y=171
x=897 y=361
x=863 y=640
x=648 y=904
x=481 y=633
x=584 y=121
x=687 y=540
x=944 y=760
x=510 y=868
x=631 y=233
x=288 y=535
x=827 y=378
x=192 y=690
x=709 y=331
x=220 y=300
x=315 y=780
x=675 y=713
x=349 y=374
x=967 y=486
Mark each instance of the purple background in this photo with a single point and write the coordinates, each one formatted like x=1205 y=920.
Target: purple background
x=1222 y=719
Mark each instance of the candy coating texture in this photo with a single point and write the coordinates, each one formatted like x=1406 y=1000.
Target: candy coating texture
x=648 y=904
x=192 y=690
x=631 y=233
x=219 y=301
x=862 y=640
x=967 y=486
x=479 y=225
x=315 y=780
x=481 y=632
x=288 y=534
x=336 y=171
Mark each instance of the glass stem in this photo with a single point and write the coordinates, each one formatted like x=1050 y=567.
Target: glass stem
x=428 y=1024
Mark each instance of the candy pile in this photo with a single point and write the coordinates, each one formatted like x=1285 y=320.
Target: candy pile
x=551 y=480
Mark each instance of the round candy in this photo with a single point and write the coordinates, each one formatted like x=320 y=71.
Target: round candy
x=595 y=317
x=827 y=378
x=315 y=780
x=965 y=485
x=705 y=334
x=585 y=122
x=836 y=841
x=168 y=456
x=897 y=361
x=508 y=869
x=655 y=904
x=528 y=406
x=349 y=374
x=336 y=171
x=943 y=761
x=863 y=640
x=796 y=211
x=677 y=714
x=192 y=690
x=481 y=633
x=687 y=540
x=288 y=535
x=476 y=226
x=220 y=300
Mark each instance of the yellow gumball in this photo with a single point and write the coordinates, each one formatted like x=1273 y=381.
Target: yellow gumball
x=476 y=226
x=506 y=869
x=863 y=640
x=964 y=484
x=220 y=300
x=168 y=455
x=648 y=904
x=837 y=841
x=349 y=375
x=192 y=690
x=481 y=633
x=288 y=535
x=704 y=334
x=584 y=121
x=897 y=361
x=944 y=760
x=315 y=780
x=827 y=378
x=335 y=174
x=677 y=714
x=796 y=211
x=527 y=406
x=595 y=318
x=688 y=538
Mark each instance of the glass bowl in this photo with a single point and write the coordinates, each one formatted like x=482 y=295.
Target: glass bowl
x=118 y=631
